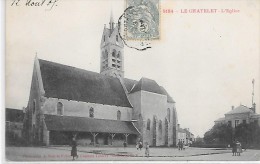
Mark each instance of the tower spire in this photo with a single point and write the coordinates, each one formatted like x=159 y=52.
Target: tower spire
x=111 y=17
x=112 y=57
x=111 y=22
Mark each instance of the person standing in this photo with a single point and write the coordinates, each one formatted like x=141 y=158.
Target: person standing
x=234 y=148
x=239 y=148
x=147 y=149
x=74 y=148
x=140 y=145
x=182 y=143
x=137 y=145
x=125 y=145
x=179 y=145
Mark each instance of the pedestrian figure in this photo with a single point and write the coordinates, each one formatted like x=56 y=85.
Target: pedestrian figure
x=74 y=148
x=137 y=145
x=140 y=145
x=147 y=149
x=234 y=148
x=179 y=145
x=239 y=148
x=182 y=145
x=124 y=145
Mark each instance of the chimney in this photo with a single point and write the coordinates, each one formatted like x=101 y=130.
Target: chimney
x=232 y=107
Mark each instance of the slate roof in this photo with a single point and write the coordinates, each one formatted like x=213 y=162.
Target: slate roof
x=70 y=83
x=169 y=98
x=240 y=109
x=85 y=124
x=14 y=115
x=147 y=85
x=129 y=83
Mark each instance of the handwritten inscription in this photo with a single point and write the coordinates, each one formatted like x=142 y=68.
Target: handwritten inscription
x=48 y=4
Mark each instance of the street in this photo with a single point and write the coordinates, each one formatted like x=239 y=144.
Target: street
x=62 y=153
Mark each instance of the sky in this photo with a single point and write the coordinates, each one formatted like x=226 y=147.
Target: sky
x=206 y=61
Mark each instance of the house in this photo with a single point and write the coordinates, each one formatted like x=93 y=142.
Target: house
x=13 y=124
x=238 y=115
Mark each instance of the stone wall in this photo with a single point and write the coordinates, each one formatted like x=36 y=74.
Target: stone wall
x=81 y=109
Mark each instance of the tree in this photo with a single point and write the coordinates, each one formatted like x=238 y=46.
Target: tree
x=248 y=134
x=219 y=134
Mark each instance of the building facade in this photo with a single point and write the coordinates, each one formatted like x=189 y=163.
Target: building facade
x=182 y=136
x=99 y=108
x=240 y=114
x=13 y=125
x=185 y=136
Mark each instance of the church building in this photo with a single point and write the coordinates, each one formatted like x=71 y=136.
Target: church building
x=99 y=108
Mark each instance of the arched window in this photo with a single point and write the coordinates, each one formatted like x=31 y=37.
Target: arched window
x=160 y=126
x=168 y=114
x=119 y=54
x=117 y=38
x=34 y=106
x=118 y=115
x=148 y=124
x=114 y=53
x=91 y=112
x=104 y=38
x=154 y=130
x=59 y=108
x=166 y=131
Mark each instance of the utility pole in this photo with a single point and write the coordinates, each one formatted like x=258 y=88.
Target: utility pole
x=253 y=83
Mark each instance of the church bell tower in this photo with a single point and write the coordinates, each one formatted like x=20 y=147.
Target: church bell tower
x=112 y=51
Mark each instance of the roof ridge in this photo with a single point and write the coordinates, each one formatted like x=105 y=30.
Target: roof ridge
x=77 y=68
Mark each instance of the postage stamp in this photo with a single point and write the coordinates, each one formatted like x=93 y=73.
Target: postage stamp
x=142 y=20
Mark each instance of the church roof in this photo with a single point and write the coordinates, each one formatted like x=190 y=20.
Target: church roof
x=129 y=83
x=65 y=82
x=147 y=85
x=169 y=98
x=85 y=124
x=240 y=109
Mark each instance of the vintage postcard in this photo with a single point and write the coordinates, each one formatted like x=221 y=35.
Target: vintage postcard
x=132 y=80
